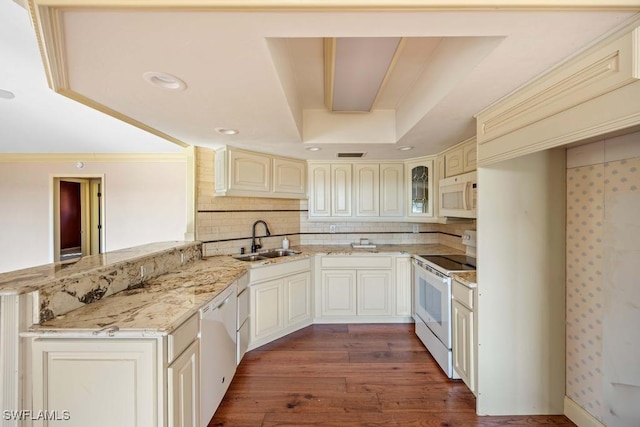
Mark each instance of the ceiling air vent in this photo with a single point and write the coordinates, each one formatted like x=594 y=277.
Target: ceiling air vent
x=351 y=154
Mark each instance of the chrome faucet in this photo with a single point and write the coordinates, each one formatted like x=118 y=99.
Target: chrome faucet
x=255 y=247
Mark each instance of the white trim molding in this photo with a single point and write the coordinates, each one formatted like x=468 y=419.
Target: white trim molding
x=92 y=157
x=579 y=415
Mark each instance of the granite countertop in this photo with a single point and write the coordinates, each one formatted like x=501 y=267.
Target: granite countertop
x=161 y=304
x=467 y=278
x=34 y=278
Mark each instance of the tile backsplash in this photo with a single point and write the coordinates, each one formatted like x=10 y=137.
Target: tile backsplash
x=224 y=223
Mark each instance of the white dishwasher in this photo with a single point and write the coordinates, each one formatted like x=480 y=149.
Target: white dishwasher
x=217 y=351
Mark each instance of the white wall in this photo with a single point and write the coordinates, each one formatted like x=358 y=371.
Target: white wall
x=521 y=285
x=145 y=202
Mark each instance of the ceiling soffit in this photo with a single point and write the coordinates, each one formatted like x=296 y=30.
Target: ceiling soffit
x=263 y=73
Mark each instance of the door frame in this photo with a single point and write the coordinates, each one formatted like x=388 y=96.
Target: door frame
x=89 y=245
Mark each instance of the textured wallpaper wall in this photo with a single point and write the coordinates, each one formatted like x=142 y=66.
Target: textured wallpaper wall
x=603 y=293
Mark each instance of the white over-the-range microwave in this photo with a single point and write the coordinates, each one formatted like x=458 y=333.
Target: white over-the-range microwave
x=458 y=196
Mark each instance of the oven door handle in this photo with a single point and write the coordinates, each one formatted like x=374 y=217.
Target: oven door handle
x=432 y=277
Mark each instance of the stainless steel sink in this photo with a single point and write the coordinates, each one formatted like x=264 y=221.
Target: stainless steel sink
x=253 y=257
x=276 y=253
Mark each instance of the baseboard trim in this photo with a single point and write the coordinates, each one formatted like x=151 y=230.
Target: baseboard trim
x=579 y=415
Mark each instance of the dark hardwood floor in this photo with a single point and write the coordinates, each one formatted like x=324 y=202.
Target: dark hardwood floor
x=352 y=375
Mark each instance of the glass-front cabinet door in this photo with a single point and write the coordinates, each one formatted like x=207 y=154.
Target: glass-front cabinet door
x=419 y=182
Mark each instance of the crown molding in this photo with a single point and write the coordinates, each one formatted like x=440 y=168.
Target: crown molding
x=91 y=157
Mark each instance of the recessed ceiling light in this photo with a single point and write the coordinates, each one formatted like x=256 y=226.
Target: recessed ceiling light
x=225 y=131
x=164 y=80
x=5 y=94
x=405 y=148
x=314 y=148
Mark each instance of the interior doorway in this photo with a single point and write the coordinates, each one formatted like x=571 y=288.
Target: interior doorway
x=78 y=215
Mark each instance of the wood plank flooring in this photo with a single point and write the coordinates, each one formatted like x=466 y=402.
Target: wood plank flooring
x=352 y=375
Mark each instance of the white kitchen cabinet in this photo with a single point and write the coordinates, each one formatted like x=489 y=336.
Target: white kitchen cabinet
x=242 y=321
x=280 y=300
x=267 y=309
x=101 y=382
x=403 y=283
x=249 y=171
x=392 y=190
x=374 y=293
x=183 y=388
x=464 y=333
x=419 y=181
x=320 y=192
x=470 y=156
x=289 y=176
x=367 y=189
x=461 y=159
x=360 y=288
x=249 y=174
x=341 y=190
x=338 y=293
x=297 y=294
x=454 y=162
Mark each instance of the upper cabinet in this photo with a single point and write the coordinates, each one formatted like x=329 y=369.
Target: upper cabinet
x=244 y=173
x=461 y=159
x=358 y=190
x=419 y=179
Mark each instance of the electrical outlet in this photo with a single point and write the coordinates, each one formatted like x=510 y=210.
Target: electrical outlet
x=416 y=228
x=332 y=228
x=146 y=270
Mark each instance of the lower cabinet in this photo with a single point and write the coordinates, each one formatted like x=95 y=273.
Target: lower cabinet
x=464 y=333
x=280 y=300
x=106 y=382
x=97 y=382
x=183 y=386
x=357 y=292
x=361 y=288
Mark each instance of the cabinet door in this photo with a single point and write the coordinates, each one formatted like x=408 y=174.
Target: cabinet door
x=341 y=190
x=101 y=382
x=289 y=176
x=183 y=387
x=469 y=155
x=374 y=292
x=403 y=287
x=338 y=292
x=220 y=171
x=320 y=190
x=463 y=343
x=391 y=189
x=297 y=293
x=249 y=171
x=419 y=179
x=266 y=301
x=453 y=162
x=367 y=189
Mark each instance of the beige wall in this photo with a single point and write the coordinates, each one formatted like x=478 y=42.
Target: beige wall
x=224 y=223
x=145 y=202
x=603 y=290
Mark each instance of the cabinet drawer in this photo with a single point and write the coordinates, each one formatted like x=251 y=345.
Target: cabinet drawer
x=462 y=294
x=243 y=282
x=243 y=308
x=349 y=261
x=267 y=272
x=182 y=337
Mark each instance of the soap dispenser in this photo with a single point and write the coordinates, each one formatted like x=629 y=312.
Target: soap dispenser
x=285 y=243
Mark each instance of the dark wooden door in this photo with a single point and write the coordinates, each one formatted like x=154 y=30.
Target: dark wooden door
x=70 y=215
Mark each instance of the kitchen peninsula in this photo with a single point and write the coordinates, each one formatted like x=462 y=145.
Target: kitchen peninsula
x=151 y=324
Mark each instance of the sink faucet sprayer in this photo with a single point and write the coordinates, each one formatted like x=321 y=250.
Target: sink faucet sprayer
x=255 y=247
